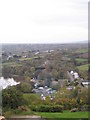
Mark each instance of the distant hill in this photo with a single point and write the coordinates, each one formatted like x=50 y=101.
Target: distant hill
x=42 y=47
x=84 y=41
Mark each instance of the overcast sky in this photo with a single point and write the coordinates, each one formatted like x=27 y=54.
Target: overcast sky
x=43 y=21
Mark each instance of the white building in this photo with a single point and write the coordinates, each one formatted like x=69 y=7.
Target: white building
x=76 y=76
x=43 y=97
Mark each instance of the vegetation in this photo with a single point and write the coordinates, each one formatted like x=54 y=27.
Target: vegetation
x=81 y=60
x=83 y=67
x=12 y=98
x=65 y=114
x=50 y=68
x=47 y=108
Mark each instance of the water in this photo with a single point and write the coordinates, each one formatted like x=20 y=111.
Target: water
x=4 y=83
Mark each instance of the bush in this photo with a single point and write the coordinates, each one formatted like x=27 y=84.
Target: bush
x=56 y=108
x=47 y=108
x=44 y=108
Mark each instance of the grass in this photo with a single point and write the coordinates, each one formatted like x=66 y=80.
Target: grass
x=83 y=67
x=17 y=112
x=25 y=59
x=84 y=50
x=14 y=64
x=65 y=114
x=81 y=60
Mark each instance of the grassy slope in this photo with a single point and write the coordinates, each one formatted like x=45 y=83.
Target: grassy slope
x=83 y=67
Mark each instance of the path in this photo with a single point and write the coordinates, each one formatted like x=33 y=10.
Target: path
x=26 y=117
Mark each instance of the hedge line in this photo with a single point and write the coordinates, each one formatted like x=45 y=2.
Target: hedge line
x=47 y=108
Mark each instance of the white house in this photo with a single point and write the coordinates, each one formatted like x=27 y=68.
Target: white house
x=72 y=72
x=76 y=76
x=86 y=83
x=43 y=97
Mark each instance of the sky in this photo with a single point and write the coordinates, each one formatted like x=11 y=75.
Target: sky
x=43 y=21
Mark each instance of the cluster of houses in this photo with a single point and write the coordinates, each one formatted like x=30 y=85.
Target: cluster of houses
x=75 y=76
x=46 y=91
x=43 y=91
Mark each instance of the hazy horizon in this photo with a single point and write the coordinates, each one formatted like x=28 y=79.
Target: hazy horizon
x=50 y=21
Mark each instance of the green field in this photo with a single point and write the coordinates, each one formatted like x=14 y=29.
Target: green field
x=84 y=50
x=65 y=114
x=14 y=64
x=83 y=67
x=25 y=59
x=81 y=60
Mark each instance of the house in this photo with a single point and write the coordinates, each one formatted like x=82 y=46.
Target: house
x=40 y=88
x=37 y=53
x=24 y=56
x=70 y=88
x=36 y=91
x=36 y=85
x=9 y=58
x=72 y=72
x=85 y=83
x=54 y=82
x=76 y=76
x=43 y=97
x=33 y=80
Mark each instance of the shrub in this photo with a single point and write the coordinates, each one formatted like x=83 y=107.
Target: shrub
x=44 y=108
x=56 y=108
x=47 y=108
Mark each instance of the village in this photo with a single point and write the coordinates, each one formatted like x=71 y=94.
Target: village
x=46 y=91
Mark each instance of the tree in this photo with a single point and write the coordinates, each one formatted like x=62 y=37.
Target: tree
x=25 y=87
x=12 y=98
